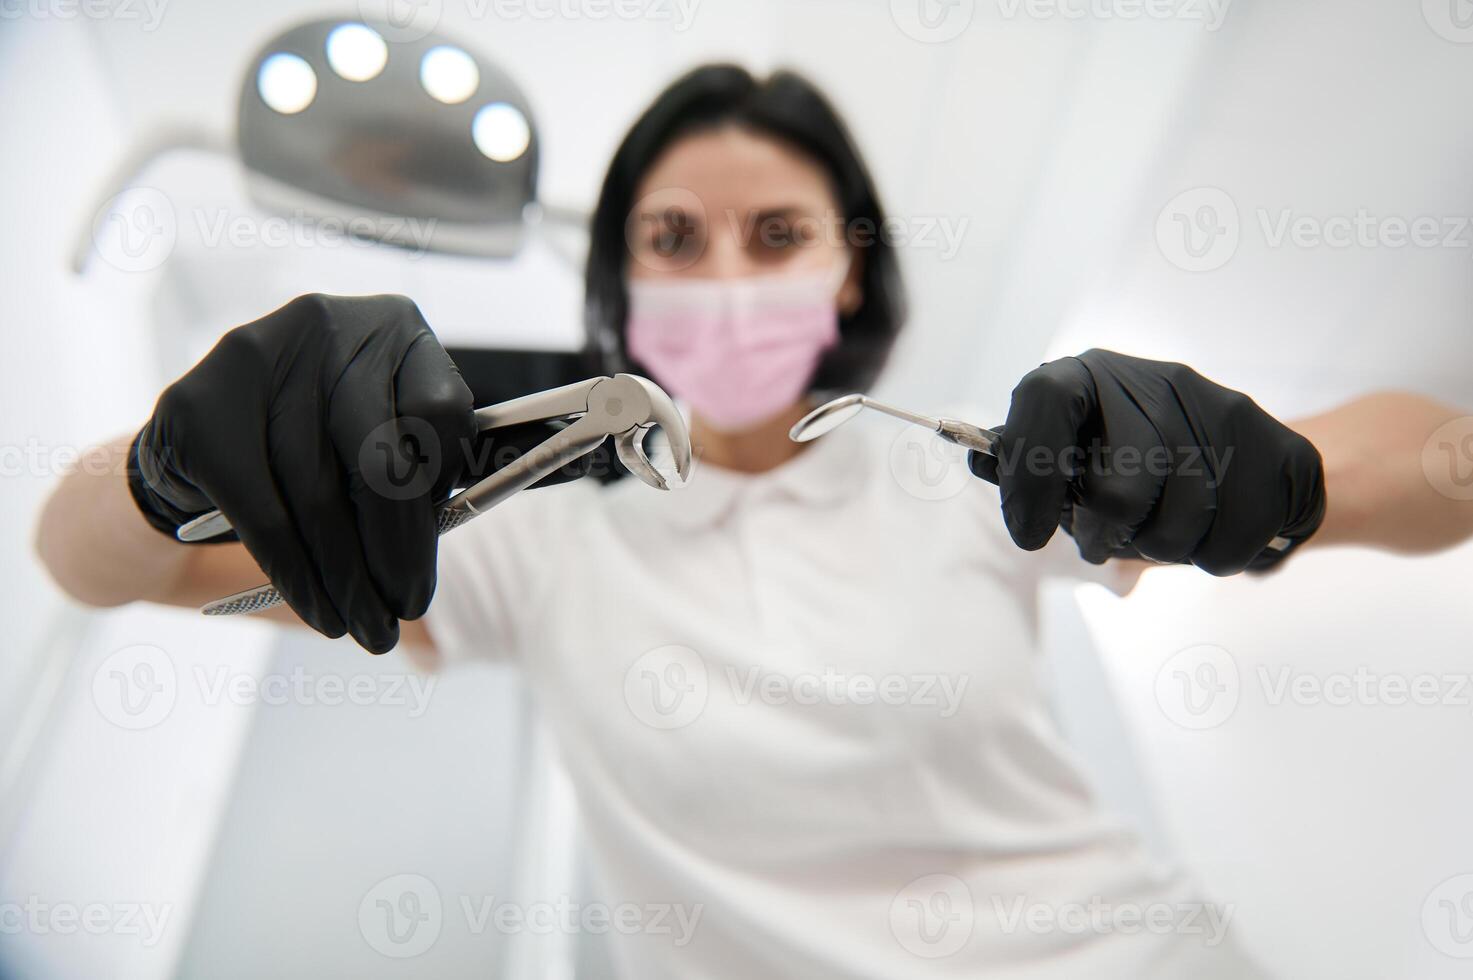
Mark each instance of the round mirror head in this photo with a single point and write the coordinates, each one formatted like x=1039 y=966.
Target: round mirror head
x=826 y=418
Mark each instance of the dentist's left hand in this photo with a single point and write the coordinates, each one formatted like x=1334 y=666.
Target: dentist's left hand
x=1139 y=458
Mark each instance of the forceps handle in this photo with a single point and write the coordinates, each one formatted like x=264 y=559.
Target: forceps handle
x=578 y=439
x=264 y=597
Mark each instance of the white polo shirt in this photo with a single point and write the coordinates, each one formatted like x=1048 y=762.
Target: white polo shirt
x=802 y=711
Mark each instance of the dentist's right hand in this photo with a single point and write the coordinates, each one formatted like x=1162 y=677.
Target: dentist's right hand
x=301 y=428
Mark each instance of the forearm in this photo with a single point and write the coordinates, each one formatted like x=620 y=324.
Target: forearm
x=1378 y=493
x=101 y=551
x=96 y=544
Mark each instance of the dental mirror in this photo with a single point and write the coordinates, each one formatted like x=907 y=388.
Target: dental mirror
x=826 y=418
x=829 y=416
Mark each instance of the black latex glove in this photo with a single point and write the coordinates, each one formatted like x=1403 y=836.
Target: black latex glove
x=1157 y=462
x=326 y=432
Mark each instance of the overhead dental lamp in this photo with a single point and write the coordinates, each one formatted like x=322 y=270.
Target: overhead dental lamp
x=409 y=142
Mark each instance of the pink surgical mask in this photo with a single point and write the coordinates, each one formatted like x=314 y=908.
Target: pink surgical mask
x=738 y=351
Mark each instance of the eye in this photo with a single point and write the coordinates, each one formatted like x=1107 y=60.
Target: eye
x=777 y=235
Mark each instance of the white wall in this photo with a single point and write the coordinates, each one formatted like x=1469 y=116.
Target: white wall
x=1330 y=827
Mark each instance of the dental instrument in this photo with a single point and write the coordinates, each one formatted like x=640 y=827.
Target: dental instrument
x=625 y=406
x=830 y=415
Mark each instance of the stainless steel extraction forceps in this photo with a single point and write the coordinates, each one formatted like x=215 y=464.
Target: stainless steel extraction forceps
x=624 y=406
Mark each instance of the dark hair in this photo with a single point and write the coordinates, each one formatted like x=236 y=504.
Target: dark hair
x=790 y=108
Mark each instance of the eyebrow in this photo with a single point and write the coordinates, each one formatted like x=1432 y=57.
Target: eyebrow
x=783 y=211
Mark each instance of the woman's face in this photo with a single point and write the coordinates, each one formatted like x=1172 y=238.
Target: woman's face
x=725 y=206
x=729 y=203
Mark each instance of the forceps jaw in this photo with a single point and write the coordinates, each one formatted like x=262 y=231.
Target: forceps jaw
x=630 y=446
x=659 y=411
x=624 y=406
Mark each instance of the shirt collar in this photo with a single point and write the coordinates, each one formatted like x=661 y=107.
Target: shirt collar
x=827 y=472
